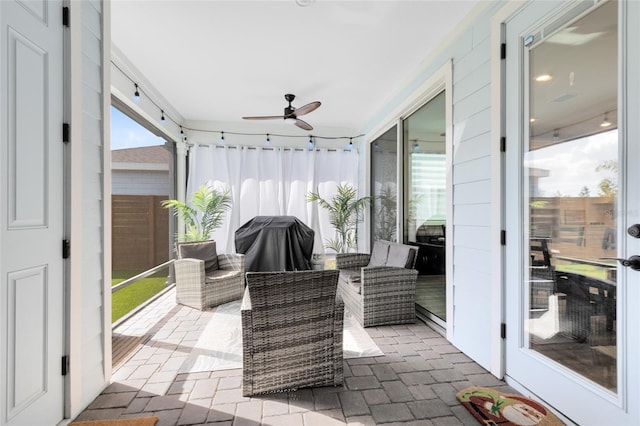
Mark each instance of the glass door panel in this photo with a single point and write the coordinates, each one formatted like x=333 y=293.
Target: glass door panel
x=384 y=186
x=425 y=202
x=569 y=167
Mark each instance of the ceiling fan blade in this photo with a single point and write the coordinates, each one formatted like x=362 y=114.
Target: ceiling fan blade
x=303 y=124
x=306 y=109
x=264 y=117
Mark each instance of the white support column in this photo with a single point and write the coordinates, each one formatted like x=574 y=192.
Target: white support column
x=181 y=179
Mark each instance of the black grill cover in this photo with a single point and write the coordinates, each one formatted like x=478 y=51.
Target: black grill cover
x=275 y=243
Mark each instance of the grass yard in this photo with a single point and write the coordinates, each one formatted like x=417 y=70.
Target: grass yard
x=592 y=271
x=125 y=300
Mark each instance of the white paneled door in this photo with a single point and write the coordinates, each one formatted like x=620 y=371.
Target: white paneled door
x=573 y=258
x=31 y=212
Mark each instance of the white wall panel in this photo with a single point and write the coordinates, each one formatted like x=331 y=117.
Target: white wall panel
x=466 y=128
x=471 y=236
x=93 y=244
x=472 y=104
x=472 y=171
x=472 y=83
x=472 y=195
x=92 y=104
x=466 y=65
x=472 y=149
x=472 y=214
x=476 y=192
x=91 y=72
x=471 y=316
x=92 y=21
x=476 y=259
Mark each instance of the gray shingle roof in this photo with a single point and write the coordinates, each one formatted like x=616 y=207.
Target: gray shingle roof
x=147 y=154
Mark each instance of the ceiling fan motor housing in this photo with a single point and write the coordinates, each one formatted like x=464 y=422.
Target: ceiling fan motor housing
x=288 y=111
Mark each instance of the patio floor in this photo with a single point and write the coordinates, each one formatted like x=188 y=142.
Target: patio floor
x=415 y=382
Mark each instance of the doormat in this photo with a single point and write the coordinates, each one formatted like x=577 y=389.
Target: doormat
x=492 y=407
x=140 y=421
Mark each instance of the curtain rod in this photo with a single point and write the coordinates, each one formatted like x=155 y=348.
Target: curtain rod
x=268 y=148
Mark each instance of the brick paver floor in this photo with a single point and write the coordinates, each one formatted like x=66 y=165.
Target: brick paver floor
x=415 y=382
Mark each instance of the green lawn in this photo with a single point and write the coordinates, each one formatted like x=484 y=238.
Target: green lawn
x=593 y=271
x=125 y=300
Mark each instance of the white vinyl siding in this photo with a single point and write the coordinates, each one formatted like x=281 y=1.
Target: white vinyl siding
x=472 y=196
x=470 y=52
x=140 y=182
x=93 y=244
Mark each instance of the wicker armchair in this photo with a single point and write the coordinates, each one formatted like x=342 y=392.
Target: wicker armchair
x=292 y=324
x=205 y=279
x=379 y=288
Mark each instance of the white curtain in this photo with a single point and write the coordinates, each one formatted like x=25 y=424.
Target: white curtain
x=272 y=182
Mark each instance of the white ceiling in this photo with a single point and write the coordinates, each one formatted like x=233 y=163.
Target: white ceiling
x=221 y=60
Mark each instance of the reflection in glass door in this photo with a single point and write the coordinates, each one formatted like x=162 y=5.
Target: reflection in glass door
x=569 y=167
x=384 y=186
x=425 y=203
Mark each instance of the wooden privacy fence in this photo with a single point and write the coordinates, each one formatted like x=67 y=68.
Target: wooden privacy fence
x=140 y=232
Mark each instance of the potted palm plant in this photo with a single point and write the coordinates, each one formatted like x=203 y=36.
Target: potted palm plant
x=345 y=211
x=203 y=214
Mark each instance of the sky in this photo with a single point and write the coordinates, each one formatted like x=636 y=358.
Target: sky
x=126 y=133
x=572 y=165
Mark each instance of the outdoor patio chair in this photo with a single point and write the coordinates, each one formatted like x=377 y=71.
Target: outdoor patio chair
x=542 y=273
x=205 y=279
x=292 y=325
x=379 y=288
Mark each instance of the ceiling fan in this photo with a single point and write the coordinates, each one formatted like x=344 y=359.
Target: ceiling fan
x=291 y=113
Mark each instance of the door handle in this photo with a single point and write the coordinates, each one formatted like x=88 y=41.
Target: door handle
x=634 y=230
x=633 y=262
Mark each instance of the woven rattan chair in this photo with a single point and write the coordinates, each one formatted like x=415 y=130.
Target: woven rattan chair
x=205 y=279
x=292 y=324
x=379 y=288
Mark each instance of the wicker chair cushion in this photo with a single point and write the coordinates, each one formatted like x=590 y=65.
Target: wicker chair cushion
x=220 y=273
x=379 y=253
x=203 y=250
x=399 y=256
x=351 y=277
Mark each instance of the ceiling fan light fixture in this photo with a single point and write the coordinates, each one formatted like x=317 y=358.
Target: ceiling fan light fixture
x=290 y=120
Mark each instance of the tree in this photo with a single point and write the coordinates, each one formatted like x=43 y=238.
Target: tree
x=385 y=210
x=608 y=185
x=345 y=210
x=607 y=188
x=584 y=192
x=204 y=214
